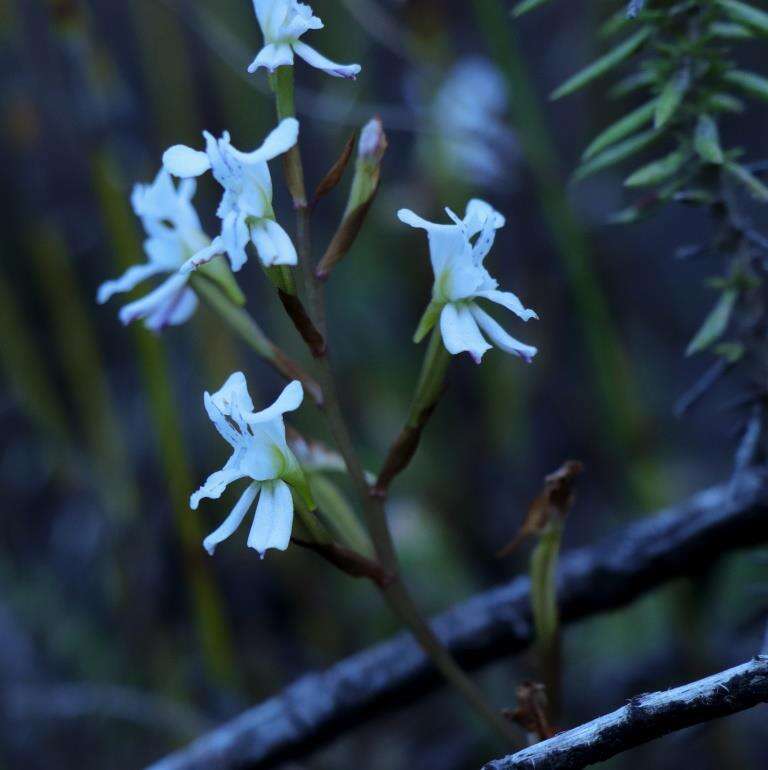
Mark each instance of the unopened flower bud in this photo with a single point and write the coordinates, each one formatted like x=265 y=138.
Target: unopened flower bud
x=370 y=150
x=373 y=141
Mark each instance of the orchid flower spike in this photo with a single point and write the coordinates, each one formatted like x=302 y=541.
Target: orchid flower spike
x=261 y=454
x=461 y=280
x=282 y=23
x=175 y=234
x=246 y=207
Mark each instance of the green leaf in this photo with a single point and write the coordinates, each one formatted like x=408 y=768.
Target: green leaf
x=658 y=171
x=526 y=6
x=695 y=197
x=714 y=324
x=746 y=14
x=614 y=23
x=671 y=97
x=721 y=102
x=339 y=515
x=622 y=128
x=615 y=154
x=603 y=64
x=217 y=270
x=706 y=140
x=428 y=320
x=749 y=180
x=752 y=83
x=730 y=30
x=633 y=82
x=732 y=352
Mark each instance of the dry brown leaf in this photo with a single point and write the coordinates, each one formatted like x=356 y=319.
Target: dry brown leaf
x=555 y=500
x=531 y=710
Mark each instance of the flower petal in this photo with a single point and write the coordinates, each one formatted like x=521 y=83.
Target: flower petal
x=216 y=483
x=183 y=161
x=265 y=246
x=316 y=59
x=185 y=308
x=479 y=211
x=460 y=332
x=154 y=303
x=203 y=256
x=233 y=521
x=133 y=276
x=278 y=141
x=231 y=400
x=272 y=56
x=510 y=301
x=414 y=220
x=289 y=400
x=500 y=338
x=234 y=237
x=286 y=251
x=446 y=242
x=273 y=521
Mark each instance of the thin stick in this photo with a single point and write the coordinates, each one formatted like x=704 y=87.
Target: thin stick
x=645 y=718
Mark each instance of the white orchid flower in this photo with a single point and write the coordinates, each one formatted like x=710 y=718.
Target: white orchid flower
x=261 y=454
x=461 y=280
x=246 y=206
x=282 y=23
x=175 y=235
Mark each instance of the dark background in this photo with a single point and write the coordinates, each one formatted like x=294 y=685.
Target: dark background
x=119 y=638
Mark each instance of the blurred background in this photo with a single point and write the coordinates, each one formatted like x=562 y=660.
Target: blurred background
x=120 y=639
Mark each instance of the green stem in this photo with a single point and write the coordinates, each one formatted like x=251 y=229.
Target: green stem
x=430 y=385
x=395 y=592
x=546 y=618
x=428 y=391
x=281 y=277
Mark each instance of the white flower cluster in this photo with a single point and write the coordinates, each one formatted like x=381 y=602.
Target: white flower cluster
x=176 y=246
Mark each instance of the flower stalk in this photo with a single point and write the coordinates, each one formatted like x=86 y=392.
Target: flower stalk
x=394 y=591
x=429 y=389
x=546 y=617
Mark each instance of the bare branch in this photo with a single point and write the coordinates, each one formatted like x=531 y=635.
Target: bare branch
x=645 y=718
x=649 y=553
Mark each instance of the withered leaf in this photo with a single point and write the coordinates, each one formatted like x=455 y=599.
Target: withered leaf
x=555 y=500
x=531 y=710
